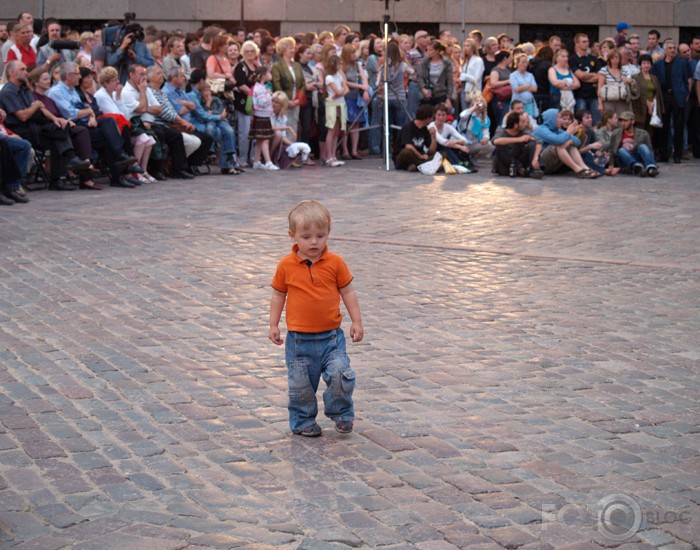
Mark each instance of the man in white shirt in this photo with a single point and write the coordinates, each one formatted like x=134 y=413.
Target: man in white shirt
x=140 y=101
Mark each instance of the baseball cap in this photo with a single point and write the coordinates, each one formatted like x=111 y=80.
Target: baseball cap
x=626 y=115
x=622 y=25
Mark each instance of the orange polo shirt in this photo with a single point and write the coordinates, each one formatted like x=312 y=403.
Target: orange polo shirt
x=313 y=290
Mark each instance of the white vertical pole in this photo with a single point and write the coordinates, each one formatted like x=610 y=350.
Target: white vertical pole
x=387 y=129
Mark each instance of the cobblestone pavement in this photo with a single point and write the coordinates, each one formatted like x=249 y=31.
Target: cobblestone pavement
x=529 y=376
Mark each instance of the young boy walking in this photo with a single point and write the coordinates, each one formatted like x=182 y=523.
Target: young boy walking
x=312 y=280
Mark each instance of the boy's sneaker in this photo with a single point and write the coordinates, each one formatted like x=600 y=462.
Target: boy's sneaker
x=270 y=166
x=343 y=426
x=311 y=431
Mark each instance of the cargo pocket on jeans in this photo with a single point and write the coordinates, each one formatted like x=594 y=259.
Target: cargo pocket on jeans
x=347 y=379
x=300 y=390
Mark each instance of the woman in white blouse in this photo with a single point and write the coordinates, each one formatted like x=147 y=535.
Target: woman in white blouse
x=451 y=144
x=471 y=72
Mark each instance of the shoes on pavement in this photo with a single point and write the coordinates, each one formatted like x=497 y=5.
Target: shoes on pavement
x=270 y=166
x=75 y=164
x=182 y=175
x=121 y=182
x=15 y=196
x=4 y=201
x=343 y=426
x=125 y=160
x=652 y=171
x=311 y=431
x=62 y=185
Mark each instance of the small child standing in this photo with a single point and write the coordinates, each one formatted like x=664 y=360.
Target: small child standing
x=297 y=151
x=261 y=129
x=312 y=280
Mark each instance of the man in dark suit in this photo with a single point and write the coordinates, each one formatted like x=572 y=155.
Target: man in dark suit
x=673 y=72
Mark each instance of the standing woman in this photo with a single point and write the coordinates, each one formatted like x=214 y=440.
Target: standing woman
x=613 y=91
x=336 y=113
x=287 y=77
x=523 y=85
x=218 y=64
x=312 y=86
x=539 y=67
x=358 y=88
x=375 y=77
x=490 y=51
x=327 y=52
x=561 y=78
x=397 y=93
x=244 y=74
x=649 y=91
x=233 y=52
x=435 y=76
x=499 y=80
x=471 y=72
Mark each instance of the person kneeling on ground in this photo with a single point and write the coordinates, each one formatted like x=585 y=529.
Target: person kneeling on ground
x=632 y=147
x=474 y=124
x=416 y=143
x=517 y=151
x=560 y=145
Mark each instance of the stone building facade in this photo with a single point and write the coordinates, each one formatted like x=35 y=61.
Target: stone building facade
x=671 y=17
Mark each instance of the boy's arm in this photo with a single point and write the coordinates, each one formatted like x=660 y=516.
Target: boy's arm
x=276 y=307
x=353 y=307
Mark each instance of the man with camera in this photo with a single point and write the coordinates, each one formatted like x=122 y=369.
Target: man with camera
x=129 y=48
x=55 y=50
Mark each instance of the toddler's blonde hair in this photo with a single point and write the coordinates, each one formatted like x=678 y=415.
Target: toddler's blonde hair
x=307 y=213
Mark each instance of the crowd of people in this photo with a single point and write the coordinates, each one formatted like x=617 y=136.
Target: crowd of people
x=147 y=104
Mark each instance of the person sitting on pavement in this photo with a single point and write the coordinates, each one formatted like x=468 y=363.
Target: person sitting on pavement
x=104 y=132
x=474 y=124
x=560 y=146
x=416 y=143
x=30 y=119
x=451 y=144
x=591 y=149
x=517 y=150
x=632 y=148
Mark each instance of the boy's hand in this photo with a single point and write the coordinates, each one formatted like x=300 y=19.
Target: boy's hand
x=274 y=335
x=357 y=332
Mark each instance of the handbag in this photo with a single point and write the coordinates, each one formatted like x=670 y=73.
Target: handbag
x=614 y=91
x=217 y=85
x=655 y=121
x=302 y=98
x=249 y=103
x=504 y=93
x=487 y=93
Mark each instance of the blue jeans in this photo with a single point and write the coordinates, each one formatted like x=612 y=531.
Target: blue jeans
x=397 y=117
x=413 y=97
x=591 y=105
x=643 y=156
x=310 y=355
x=223 y=134
x=21 y=150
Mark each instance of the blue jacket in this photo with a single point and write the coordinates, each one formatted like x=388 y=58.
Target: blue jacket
x=121 y=60
x=550 y=134
x=680 y=73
